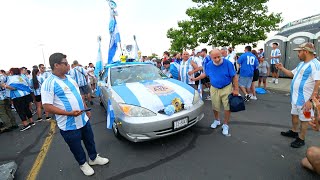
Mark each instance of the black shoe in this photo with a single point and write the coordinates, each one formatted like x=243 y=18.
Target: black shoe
x=290 y=133
x=39 y=119
x=297 y=143
x=32 y=124
x=48 y=118
x=246 y=98
x=25 y=128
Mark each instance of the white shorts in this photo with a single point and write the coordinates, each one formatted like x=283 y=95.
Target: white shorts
x=297 y=110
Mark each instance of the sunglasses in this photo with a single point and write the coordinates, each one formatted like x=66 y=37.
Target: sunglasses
x=64 y=62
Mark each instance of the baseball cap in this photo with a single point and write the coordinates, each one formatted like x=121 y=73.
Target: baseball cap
x=197 y=51
x=306 y=47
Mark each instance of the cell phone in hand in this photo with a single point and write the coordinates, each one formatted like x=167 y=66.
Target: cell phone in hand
x=85 y=110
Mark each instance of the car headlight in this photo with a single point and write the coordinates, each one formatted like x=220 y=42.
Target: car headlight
x=136 y=111
x=196 y=97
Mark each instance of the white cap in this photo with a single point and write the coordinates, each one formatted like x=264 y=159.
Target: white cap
x=197 y=51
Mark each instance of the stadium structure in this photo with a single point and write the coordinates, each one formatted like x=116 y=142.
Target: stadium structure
x=291 y=36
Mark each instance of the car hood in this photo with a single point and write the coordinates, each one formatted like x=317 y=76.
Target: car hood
x=154 y=95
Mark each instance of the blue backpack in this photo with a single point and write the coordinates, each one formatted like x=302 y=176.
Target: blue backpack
x=236 y=103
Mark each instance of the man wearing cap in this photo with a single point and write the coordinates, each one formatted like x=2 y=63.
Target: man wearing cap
x=304 y=87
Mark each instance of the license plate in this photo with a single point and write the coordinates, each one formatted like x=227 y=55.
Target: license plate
x=180 y=123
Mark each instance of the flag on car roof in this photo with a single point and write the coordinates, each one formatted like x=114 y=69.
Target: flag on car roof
x=110 y=115
x=114 y=40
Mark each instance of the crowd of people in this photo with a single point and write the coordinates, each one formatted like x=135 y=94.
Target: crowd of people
x=65 y=91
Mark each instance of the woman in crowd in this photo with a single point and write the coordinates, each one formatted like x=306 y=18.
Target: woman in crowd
x=19 y=91
x=35 y=84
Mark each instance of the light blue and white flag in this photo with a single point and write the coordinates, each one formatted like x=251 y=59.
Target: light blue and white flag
x=136 y=49
x=200 y=89
x=99 y=66
x=110 y=115
x=114 y=40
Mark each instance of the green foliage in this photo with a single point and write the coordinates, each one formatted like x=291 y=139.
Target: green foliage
x=184 y=37
x=224 y=23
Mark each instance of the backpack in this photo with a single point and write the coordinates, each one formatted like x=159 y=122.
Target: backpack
x=236 y=103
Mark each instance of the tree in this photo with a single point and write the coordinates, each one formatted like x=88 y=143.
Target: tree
x=230 y=22
x=182 y=38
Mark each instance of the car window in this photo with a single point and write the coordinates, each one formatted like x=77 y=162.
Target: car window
x=134 y=73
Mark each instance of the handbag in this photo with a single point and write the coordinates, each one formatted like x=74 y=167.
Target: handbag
x=236 y=103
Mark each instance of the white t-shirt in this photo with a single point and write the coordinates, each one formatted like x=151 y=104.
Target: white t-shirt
x=302 y=85
x=90 y=71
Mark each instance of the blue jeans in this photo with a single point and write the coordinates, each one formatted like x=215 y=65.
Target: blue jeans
x=73 y=139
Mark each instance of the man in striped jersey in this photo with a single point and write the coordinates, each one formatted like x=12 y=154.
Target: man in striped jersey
x=275 y=56
x=80 y=75
x=61 y=96
x=304 y=87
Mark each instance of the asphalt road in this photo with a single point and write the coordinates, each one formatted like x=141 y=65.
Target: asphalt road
x=255 y=149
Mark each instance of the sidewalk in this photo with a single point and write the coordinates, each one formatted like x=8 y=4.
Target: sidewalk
x=283 y=85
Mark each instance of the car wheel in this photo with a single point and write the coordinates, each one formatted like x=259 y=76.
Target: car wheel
x=116 y=130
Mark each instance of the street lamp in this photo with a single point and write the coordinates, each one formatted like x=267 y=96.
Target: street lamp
x=44 y=60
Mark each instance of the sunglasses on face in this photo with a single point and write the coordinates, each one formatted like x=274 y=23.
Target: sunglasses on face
x=64 y=62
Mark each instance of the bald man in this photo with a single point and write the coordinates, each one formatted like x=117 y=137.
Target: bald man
x=222 y=75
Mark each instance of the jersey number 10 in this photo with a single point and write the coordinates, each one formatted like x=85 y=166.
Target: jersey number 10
x=250 y=60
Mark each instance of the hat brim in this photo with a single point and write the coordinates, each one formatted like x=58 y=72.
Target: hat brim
x=298 y=49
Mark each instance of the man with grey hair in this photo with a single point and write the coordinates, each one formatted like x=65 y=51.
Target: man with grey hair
x=222 y=76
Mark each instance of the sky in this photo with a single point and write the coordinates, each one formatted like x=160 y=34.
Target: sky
x=29 y=27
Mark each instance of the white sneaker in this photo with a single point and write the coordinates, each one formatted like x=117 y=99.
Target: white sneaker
x=250 y=94
x=98 y=161
x=276 y=81
x=86 y=169
x=254 y=98
x=272 y=81
x=225 y=130
x=208 y=98
x=215 y=124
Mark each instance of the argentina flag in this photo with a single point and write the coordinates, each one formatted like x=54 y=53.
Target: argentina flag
x=110 y=115
x=99 y=65
x=114 y=40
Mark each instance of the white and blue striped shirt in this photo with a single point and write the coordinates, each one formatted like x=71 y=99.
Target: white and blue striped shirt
x=302 y=85
x=37 y=92
x=2 y=90
x=79 y=75
x=64 y=94
x=23 y=86
x=275 y=52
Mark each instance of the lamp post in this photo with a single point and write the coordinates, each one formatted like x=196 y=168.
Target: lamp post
x=44 y=60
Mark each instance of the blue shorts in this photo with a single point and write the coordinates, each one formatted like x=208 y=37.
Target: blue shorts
x=245 y=81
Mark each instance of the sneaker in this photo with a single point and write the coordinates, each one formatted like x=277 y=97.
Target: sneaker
x=215 y=124
x=247 y=97
x=32 y=124
x=99 y=161
x=39 y=119
x=276 y=81
x=86 y=169
x=25 y=128
x=297 y=143
x=225 y=129
x=48 y=118
x=34 y=112
x=290 y=133
x=208 y=98
x=272 y=81
x=254 y=98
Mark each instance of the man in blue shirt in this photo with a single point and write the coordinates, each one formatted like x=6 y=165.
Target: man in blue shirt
x=248 y=63
x=61 y=96
x=175 y=66
x=222 y=75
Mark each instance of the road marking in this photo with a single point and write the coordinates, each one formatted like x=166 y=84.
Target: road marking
x=43 y=152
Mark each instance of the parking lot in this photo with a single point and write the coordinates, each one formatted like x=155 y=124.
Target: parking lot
x=255 y=149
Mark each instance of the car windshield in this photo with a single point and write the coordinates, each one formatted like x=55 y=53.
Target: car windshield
x=134 y=73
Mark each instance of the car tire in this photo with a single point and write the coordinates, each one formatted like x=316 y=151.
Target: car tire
x=116 y=131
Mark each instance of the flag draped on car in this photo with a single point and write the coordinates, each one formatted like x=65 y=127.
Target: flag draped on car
x=110 y=115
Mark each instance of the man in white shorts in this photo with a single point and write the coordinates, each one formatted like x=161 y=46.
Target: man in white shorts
x=304 y=87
